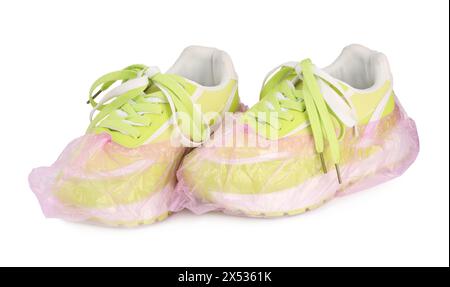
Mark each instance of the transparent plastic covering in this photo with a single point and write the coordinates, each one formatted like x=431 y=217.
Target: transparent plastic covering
x=100 y=181
x=286 y=177
x=237 y=172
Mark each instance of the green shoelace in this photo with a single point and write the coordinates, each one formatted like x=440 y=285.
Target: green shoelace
x=142 y=91
x=281 y=96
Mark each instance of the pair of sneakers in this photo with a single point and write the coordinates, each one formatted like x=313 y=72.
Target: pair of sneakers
x=161 y=142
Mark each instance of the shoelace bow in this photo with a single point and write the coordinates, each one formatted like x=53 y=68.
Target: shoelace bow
x=321 y=108
x=142 y=91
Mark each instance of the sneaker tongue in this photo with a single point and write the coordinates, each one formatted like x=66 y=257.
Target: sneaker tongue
x=290 y=77
x=298 y=84
x=188 y=85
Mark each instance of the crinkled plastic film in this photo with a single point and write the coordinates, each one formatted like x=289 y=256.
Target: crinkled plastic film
x=286 y=177
x=97 y=180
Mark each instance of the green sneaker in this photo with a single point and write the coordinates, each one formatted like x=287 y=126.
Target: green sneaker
x=122 y=172
x=314 y=134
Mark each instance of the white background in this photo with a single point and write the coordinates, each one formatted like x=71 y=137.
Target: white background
x=51 y=51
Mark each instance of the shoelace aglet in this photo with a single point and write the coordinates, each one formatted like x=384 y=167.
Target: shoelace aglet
x=322 y=160
x=338 y=172
x=94 y=96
